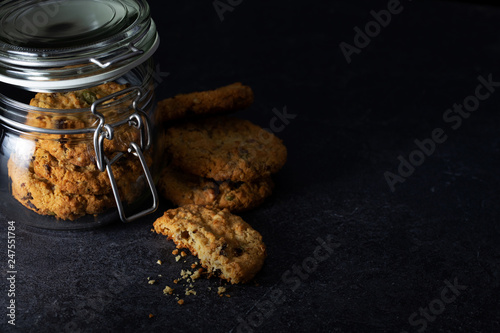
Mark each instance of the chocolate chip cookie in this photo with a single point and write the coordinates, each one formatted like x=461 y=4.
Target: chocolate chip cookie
x=74 y=179
x=183 y=189
x=226 y=99
x=75 y=148
x=44 y=198
x=75 y=99
x=225 y=244
x=224 y=148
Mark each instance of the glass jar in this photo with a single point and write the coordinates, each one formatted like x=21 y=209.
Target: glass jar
x=77 y=138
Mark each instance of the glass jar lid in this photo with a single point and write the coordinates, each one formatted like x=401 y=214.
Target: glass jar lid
x=56 y=45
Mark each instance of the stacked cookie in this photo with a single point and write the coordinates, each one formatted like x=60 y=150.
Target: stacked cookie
x=57 y=176
x=220 y=161
x=217 y=165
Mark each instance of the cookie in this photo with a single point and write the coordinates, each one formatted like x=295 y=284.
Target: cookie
x=222 y=100
x=75 y=148
x=183 y=189
x=74 y=179
x=224 y=148
x=75 y=99
x=44 y=198
x=79 y=149
x=224 y=243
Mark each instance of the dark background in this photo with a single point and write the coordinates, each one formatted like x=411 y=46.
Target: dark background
x=394 y=253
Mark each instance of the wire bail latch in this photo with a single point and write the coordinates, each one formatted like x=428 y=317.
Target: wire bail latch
x=139 y=120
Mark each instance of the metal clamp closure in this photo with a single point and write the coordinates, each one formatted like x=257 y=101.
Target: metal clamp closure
x=136 y=150
x=140 y=120
x=130 y=52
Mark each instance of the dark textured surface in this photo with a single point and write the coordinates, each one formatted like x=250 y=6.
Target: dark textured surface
x=392 y=252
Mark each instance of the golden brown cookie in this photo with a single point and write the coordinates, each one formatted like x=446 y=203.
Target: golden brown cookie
x=74 y=179
x=75 y=148
x=226 y=99
x=222 y=241
x=75 y=99
x=79 y=149
x=45 y=198
x=183 y=189
x=224 y=148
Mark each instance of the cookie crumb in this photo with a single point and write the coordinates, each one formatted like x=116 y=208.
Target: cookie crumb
x=178 y=258
x=186 y=274
x=168 y=290
x=180 y=302
x=190 y=292
x=159 y=262
x=151 y=315
x=152 y=281
x=221 y=290
x=196 y=274
x=175 y=252
x=183 y=253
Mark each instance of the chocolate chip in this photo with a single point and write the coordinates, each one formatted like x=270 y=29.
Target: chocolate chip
x=60 y=123
x=27 y=197
x=243 y=153
x=185 y=234
x=30 y=205
x=237 y=252
x=222 y=251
